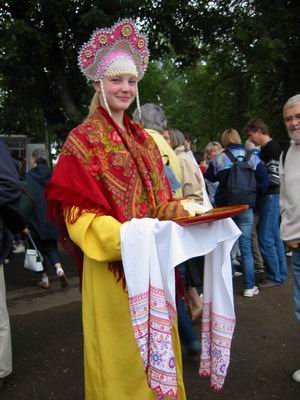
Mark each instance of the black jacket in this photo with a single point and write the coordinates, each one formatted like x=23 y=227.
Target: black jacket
x=9 y=192
x=39 y=225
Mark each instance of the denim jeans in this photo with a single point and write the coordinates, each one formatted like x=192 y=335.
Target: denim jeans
x=244 y=221
x=258 y=261
x=296 y=274
x=271 y=246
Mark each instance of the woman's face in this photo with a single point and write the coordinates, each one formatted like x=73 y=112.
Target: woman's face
x=214 y=152
x=166 y=135
x=120 y=91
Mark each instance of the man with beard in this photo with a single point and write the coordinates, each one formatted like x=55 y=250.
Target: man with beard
x=271 y=246
x=289 y=196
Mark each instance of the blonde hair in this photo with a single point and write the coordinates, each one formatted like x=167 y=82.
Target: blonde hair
x=209 y=148
x=95 y=103
x=230 y=136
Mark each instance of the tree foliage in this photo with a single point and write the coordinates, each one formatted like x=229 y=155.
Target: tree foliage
x=214 y=64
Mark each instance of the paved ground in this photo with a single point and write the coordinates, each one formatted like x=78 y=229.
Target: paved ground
x=47 y=344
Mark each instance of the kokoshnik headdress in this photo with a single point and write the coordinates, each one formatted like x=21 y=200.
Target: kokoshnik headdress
x=116 y=51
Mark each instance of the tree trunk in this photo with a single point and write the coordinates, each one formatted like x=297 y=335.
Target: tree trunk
x=67 y=102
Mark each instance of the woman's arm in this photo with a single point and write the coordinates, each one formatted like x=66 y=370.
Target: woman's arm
x=97 y=236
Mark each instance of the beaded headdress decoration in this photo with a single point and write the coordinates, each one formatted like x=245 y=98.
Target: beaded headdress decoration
x=116 y=51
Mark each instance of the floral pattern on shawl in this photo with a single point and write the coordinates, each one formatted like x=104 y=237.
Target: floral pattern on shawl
x=108 y=171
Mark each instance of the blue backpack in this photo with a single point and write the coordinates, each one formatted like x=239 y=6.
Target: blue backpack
x=241 y=182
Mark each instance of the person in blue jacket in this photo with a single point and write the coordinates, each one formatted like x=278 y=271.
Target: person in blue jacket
x=218 y=171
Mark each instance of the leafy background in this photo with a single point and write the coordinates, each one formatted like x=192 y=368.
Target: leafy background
x=215 y=64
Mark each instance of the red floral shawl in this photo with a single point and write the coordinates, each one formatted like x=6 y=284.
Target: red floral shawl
x=105 y=170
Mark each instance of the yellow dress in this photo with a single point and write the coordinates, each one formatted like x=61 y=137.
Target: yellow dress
x=112 y=363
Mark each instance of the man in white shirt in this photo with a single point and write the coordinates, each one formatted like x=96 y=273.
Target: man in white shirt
x=289 y=196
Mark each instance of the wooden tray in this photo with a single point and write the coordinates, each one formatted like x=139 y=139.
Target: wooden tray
x=213 y=215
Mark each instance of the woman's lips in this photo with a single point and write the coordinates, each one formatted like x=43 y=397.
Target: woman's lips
x=124 y=99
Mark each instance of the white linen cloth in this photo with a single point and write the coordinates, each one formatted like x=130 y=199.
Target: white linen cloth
x=151 y=249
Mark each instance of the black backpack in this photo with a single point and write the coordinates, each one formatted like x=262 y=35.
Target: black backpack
x=241 y=182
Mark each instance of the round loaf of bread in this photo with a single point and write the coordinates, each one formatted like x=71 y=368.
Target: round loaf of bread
x=170 y=211
x=176 y=209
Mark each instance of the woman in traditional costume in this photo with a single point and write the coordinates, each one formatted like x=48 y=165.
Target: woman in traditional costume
x=109 y=172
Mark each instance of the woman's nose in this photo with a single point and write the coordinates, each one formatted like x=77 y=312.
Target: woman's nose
x=125 y=86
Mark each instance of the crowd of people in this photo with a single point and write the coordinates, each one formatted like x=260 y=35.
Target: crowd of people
x=113 y=169
x=23 y=215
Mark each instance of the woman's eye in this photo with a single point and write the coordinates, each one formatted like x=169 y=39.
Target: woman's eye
x=132 y=82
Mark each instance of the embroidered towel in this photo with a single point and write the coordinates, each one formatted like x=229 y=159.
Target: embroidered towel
x=150 y=251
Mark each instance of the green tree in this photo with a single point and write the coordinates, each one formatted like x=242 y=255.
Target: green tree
x=215 y=64
x=251 y=49
x=40 y=80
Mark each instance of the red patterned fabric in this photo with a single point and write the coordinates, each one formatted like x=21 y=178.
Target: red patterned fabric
x=105 y=170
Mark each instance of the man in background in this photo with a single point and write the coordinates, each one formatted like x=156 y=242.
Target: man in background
x=290 y=196
x=271 y=246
